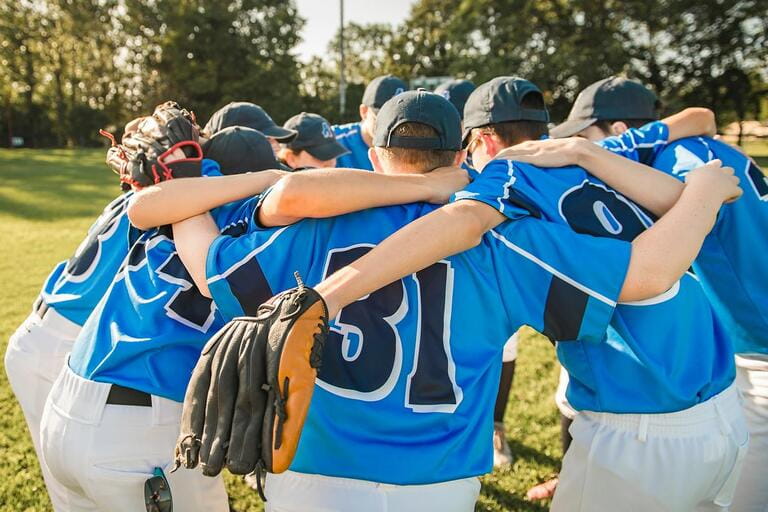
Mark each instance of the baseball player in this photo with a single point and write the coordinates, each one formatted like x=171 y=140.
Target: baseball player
x=250 y=115
x=611 y=107
x=646 y=378
x=37 y=350
x=394 y=423
x=725 y=266
x=356 y=137
x=111 y=417
x=314 y=146
x=457 y=92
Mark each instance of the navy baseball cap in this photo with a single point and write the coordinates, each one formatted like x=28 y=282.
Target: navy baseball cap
x=239 y=149
x=610 y=99
x=457 y=92
x=315 y=136
x=381 y=89
x=500 y=101
x=418 y=107
x=250 y=115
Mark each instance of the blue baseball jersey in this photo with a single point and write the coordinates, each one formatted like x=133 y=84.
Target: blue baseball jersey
x=639 y=144
x=661 y=355
x=149 y=328
x=732 y=257
x=350 y=136
x=75 y=286
x=407 y=369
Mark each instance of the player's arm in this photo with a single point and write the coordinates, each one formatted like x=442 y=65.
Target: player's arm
x=319 y=193
x=691 y=122
x=654 y=190
x=175 y=200
x=659 y=256
x=193 y=238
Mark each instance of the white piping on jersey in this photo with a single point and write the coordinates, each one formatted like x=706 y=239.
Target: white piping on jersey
x=247 y=257
x=635 y=145
x=658 y=299
x=507 y=185
x=552 y=270
x=351 y=131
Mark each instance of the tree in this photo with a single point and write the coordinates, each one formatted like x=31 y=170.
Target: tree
x=205 y=53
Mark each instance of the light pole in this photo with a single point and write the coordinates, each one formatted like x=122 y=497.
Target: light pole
x=342 y=82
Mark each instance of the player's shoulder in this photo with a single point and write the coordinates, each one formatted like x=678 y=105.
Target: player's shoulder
x=346 y=130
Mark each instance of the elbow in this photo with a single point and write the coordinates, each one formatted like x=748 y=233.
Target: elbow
x=286 y=196
x=139 y=211
x=469 y=222
x=706 y=118
x=648 y=286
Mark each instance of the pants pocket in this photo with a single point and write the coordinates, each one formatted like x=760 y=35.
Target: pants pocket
x=724 y=496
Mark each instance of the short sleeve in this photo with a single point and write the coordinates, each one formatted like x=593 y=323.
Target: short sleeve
x=564 y=284
x=234 y=274
x=496 y=187
x=639 y=144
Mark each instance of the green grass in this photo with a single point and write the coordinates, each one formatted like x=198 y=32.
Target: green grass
x=47 y=201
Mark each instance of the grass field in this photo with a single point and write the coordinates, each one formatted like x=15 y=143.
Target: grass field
x=47 y=201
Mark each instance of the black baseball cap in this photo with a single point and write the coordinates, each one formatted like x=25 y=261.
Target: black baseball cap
x=418 y=107
x=457 y=92
x=500 y=101
x=612 y=98
x=250 y=115
x=315 y=136
x=381 y=89
x=239 y=149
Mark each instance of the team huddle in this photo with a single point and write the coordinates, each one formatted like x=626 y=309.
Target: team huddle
x=632 y=243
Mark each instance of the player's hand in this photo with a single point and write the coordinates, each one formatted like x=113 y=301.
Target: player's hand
x=548 y=153
x=444 y=182
x=716 y=181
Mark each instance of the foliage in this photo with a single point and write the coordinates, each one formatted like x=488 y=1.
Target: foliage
x=68 y=67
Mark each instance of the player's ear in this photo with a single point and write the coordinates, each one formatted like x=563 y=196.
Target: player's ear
x=460 y=157
x=618 y=127
x=375 y=161
x=492 y=145
x=363 y=111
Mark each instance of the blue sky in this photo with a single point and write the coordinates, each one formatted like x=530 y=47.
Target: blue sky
x=323 y=19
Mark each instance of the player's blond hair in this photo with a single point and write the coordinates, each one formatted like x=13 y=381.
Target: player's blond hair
x=421 y=159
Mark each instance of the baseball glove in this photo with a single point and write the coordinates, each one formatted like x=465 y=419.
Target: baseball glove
x=250 y=391
x=157 y=148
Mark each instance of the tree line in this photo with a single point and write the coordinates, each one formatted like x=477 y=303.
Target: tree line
x=70 y=67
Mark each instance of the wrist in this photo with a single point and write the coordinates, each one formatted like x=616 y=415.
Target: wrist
x=703 y=195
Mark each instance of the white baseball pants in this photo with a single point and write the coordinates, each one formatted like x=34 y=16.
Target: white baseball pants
x=300 y=492
x=752 y=380
x=676 y=462
x=35 y=355
x=100 y=455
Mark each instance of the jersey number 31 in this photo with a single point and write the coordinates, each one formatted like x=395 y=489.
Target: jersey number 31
x=363 y=356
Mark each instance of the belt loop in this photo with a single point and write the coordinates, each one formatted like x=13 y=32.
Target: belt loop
x=725 y=426
x=642 y=429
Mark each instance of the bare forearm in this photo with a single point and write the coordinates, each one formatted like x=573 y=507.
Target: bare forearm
x=663 y=253
x=176 y=200
x=652 y=189
x=446 y=231
x=323 y=193
x=193 y=237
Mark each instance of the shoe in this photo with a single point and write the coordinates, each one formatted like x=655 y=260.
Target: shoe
x=502 y=455
x=251 y=480
x=543 y=491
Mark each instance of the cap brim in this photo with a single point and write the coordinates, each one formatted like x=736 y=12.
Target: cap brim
x=570 y=128
x=283 y=135
x=327 y=151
